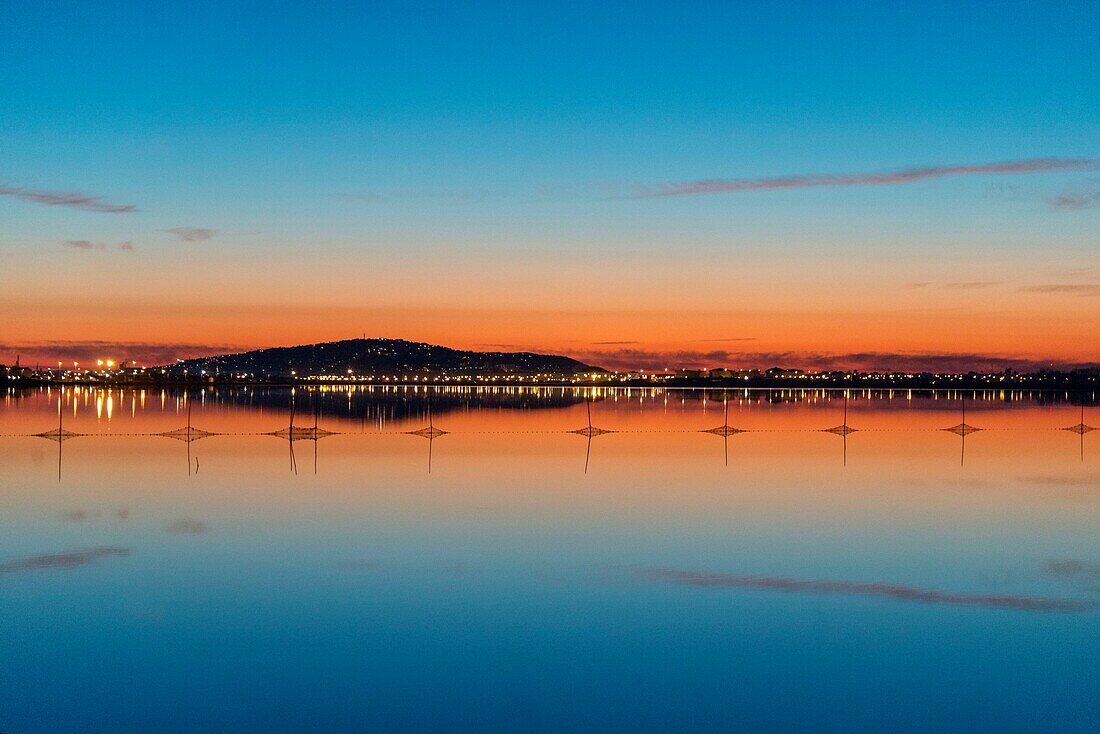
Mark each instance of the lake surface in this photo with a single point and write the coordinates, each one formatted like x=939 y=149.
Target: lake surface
x=406 y=559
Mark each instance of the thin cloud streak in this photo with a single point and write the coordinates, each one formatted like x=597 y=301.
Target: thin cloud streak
x=1073 y=289
x=971 y=285
x=853 y=588
x=888 y=178
x=1075 y=570
x=1059 y=480
x=727 y=339
x=191 y=234
x=69 y=559
x=70 y=200
x=187 y=527
x=89 y=245
x=1075 y=202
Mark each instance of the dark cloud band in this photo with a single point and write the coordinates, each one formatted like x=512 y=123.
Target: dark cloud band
x=73 y=200
x=892 y=591
x=888 y=178
x=192 y=234
x=68 y=559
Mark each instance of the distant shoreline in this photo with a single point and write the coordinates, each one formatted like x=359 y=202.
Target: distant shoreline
x=1048 y=381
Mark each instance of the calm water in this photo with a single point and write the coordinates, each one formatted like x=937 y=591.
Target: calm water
x=511 y=574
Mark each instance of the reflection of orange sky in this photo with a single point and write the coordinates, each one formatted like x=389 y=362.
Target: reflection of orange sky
x=797 y=478
x=658 y=457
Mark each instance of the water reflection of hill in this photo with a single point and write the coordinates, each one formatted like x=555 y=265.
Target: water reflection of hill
x=386 y=404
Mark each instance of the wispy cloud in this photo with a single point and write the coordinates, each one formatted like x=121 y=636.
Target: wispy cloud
x=855 y=588
x=83 y=245
x=1074 y=201
x=455 y=195
x=887 y=178
x=963 y=285
x=1073 y=289
x=81 y=514
x=71 y=200
x=187 y=527
x=69 y=559
x=971 y=285
x=191 y=234
x=1073 y=569
x=726 y=339
x=614 y=343
x=1060 y=480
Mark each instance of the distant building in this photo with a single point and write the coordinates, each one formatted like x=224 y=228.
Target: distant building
x=782 y=372
x=15 y=373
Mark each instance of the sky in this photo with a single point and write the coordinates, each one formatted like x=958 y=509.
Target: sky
x=818 y=184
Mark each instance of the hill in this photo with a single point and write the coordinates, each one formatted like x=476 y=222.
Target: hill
x=381 y=358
